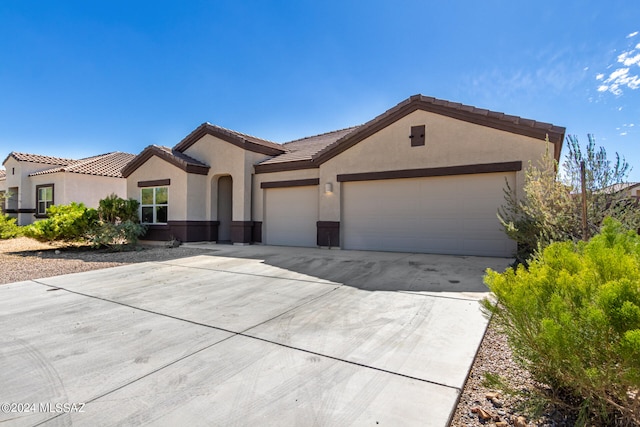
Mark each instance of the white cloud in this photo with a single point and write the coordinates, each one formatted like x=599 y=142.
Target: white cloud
x=635 y=33
x=623 y=133
x=628 y=60
x=626 y=75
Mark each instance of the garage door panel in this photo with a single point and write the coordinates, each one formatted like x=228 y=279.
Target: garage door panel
x=290 y=216
x=450 y=215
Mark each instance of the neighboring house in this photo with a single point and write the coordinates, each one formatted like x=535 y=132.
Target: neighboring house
x=3 y=188
x=631 y=189
x=425 y=176
x=35 y=182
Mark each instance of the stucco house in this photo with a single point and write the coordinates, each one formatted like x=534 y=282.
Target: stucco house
x=425 y=176
x=34 y=182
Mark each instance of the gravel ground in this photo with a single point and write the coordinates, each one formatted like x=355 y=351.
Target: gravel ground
x=25 y=259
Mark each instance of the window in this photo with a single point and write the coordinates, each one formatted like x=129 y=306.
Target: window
x=44 y=198
x=155 y=205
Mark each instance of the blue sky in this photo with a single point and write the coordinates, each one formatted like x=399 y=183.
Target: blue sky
x=79 y=78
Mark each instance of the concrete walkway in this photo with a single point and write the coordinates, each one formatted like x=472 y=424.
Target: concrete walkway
x=253 y=335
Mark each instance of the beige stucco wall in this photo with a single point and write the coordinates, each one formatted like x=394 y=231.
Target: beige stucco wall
x=68 y=187
x=449 y=142
x=225 y=158
x=18 y=176
x=80 y=188
x=258 y=193
x=154 y=169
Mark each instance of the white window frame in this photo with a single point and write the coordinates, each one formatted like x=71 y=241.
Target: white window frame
x=47 y=202
x=154 y=205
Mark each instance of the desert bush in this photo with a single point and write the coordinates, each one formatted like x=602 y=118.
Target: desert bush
x=119 y=237
x=8 y=227
x=70 y=222
x=573 y=320
x=119 y=227
x=115 y=209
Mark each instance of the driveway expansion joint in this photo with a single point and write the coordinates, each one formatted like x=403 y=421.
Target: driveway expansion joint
x=241 y=333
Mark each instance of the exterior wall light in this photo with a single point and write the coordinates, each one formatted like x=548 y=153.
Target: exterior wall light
x=328 y=188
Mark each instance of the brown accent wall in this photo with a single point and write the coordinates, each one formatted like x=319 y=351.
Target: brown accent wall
x=328 y=234
x=241 y=231
x=257 y=232
x=428 y=172
x=185 y=231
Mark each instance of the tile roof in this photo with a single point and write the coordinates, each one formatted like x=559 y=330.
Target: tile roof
x=239 y=139
x=37 y=158
x=315 y=150
x=109 y=164
x=306 y=148
x=171 y=155
x=3 y=174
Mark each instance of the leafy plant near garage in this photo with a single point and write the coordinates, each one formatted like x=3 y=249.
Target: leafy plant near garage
x=8 y=227
x=119 y=227
x=573 y=320
x=72 y=222
x=550 y=209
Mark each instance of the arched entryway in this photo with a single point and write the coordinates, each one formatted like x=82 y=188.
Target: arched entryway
x=225 y=208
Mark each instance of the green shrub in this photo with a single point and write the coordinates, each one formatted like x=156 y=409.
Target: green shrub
x=119 y=227
x=573 y=320
x=121 y=236
x=8 y=227
x=115 y=209
x=71 y=222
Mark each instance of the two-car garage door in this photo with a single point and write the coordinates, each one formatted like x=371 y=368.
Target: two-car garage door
x=447 y=215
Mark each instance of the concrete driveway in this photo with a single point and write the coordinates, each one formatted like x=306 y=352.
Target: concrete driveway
x=252 y=335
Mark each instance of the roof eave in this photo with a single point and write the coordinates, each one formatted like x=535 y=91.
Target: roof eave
x=209 y=129
x=151 y=151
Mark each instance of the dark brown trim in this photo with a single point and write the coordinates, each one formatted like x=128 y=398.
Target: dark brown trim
x=430 y=172
x=25 y=210
x=11 y=211
x=328 y=234
x=53 y=196
x=467 y=113
x=40 y=216
x=184 y=163
x=237 y=139
x=285 y=166
x=290 y=183
x=154 y=183
x=241 y=231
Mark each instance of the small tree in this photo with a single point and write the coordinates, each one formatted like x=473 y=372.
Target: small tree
x=550 y=208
